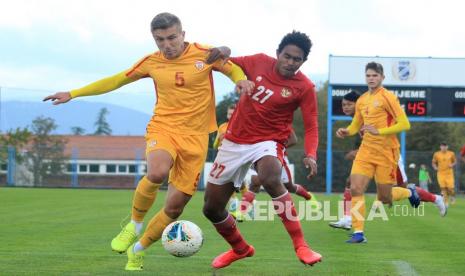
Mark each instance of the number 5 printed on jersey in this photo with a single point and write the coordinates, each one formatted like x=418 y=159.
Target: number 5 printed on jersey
x=179 y=78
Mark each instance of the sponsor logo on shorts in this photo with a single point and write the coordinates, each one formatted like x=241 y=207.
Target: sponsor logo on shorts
x=152 y=143
x=259 y=78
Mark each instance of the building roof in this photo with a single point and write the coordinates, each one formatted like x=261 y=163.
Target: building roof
x=106 y=147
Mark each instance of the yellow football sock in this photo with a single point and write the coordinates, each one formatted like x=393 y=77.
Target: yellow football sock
x=144 y=197
x=399 y=193
x=155 y=228
x=358 y=213
x=445 y=194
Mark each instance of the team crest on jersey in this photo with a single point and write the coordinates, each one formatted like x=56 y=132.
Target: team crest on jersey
x=286 y=92
x=259 y=78
x=199 y=65
x=375 y=103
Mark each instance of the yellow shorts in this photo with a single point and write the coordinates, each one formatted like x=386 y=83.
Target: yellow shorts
x=446 y=181
x=380 y=165
x=188 y=152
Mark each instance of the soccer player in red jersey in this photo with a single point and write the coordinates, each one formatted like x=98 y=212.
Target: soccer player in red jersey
x=256 y=135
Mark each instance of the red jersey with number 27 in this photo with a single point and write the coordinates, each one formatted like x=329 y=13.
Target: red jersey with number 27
x=266 y=114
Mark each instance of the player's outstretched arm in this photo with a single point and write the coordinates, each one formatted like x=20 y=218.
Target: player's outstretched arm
x=59 y=98
x=96 y=88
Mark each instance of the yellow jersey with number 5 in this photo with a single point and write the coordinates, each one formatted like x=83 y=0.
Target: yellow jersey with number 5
x=184 y=89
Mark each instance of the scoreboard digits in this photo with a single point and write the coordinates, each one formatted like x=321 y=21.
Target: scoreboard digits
x=417 y=101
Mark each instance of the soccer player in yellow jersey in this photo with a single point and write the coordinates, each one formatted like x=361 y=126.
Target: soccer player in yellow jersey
x=379 y=116
x=223 y=127
x=177 y=134
x=444 y=162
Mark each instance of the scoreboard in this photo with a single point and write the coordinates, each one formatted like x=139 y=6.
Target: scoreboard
x=436 y=102
x=428 y=88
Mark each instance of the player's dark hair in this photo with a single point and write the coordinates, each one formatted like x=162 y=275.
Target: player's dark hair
x=443 y=143
x=377 y=67
x=298 y=39
x=352 y=96
x=164 y=20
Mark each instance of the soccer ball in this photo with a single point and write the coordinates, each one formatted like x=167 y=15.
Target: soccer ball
x=182 y=238
x=412 y=166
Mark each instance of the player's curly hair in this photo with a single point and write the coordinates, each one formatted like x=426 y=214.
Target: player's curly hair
x=298 y=39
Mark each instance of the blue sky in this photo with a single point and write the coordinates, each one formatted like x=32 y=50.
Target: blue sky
x=49 y=46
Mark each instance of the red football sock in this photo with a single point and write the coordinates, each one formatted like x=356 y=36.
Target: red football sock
x=347 y=201
x=227 y=228
x=426 y=196
x=285 y=209
x=247 y=199
x=301 y=191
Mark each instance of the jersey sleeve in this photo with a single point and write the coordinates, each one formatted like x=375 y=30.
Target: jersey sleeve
x=139 y=69
x=247 y=63
x=309 y=109
x=393 y=106
x=358 y=112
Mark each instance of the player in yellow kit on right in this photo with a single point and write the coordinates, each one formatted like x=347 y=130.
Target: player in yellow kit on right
x=177 y=134
x=379 y=117
x=444 y=162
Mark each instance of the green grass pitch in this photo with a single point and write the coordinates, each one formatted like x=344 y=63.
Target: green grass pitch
x=68 y=232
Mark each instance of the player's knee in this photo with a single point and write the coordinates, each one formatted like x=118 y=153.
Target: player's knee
x=173 y=212
x=157 y=176
x=385 y=199
x=356 y=191
x=210 y=212
x=269 y=180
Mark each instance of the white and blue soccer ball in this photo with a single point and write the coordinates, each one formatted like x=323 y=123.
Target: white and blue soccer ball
x=182 y=238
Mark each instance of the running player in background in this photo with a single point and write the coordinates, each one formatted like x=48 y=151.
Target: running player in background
x=256 y=135
x=379 y=116
x=222 y=128
x=348 y=107
x=177 y=134
x=444 y=162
